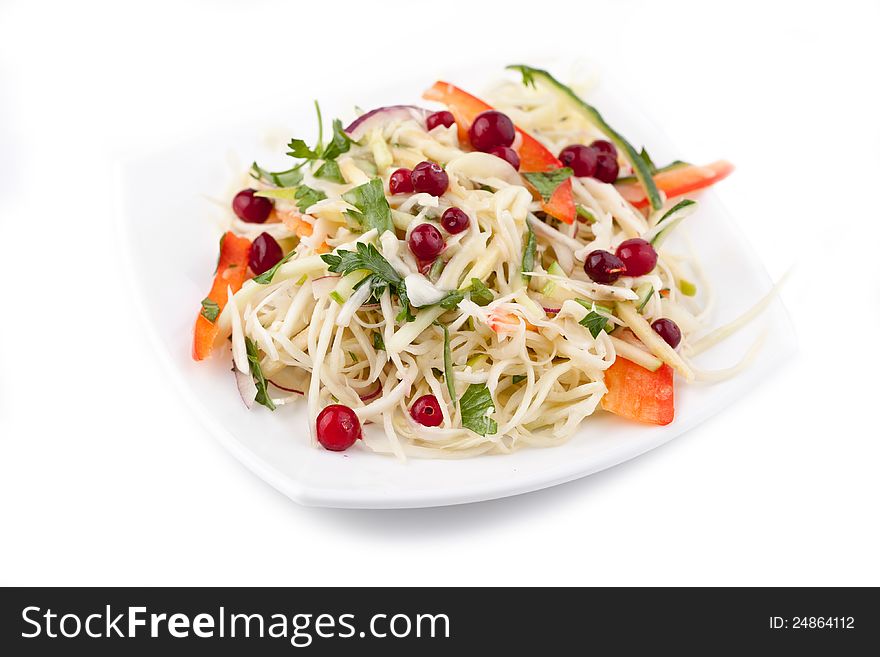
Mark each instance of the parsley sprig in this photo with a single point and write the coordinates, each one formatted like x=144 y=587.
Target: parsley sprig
x=325 y=153
x=382 y=274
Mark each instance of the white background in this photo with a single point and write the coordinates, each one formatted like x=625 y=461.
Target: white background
x=107 y=478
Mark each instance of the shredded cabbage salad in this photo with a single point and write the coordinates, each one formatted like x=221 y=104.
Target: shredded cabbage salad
x=364 y=289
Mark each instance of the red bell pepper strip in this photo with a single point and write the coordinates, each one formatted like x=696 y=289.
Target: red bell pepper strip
x=639 y=394
x=677 y=181
x=232 y=271
x=533 y=155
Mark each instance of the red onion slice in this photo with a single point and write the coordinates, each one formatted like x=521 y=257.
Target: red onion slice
x=374 y=118
x=246 y=387
x=281 y=387
x=371 y=395
x=324 y=285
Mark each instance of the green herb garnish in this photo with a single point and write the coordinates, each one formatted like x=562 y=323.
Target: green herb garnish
x=518 y=378
x=378 y=341
x=595 y=323
x=480 y=293
x=253 y=356
x=306 y=197
x=290 y=178
x=330 y=171
x=382 y=273
x=266 y=277
x=210 y=309
x=373 y=209
x=476 y=406
x=546 y=182
x=451 y=300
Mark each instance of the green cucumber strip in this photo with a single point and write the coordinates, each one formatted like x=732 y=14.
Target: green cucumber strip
x=645 y=292
x=555 y=270
x=640 y=167
x=687 y=288
x=448 y=371
x=346 y=285
x=674 y=216
x=286 y=193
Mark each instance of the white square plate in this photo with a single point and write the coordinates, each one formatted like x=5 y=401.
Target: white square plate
x=172 y=244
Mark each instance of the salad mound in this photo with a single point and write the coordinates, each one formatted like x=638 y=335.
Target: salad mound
x=471 y=279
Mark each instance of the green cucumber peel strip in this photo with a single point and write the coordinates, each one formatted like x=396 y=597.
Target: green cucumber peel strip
x=641 y=168
x=448 y=372
x=674 y=216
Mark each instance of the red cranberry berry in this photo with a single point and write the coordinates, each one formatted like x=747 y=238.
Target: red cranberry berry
x=508 y=154
x=606 y=168
x=400 y=182
x=455 y=220
x=638 y=256
x=668 y=330
x=426 y=242
x=603 y=146
x=443 y=118
x=338 y=427
x=430 y=178
x=426 y=411
x=603 y=267
x=250 y=208
x=265 y=253
x=581 y=159
x=491 y=129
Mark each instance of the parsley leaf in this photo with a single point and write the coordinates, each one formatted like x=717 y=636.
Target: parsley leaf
x=290 y=178
x=266 y=277
x=339 y=144
x=517 y=378
x=378 y=341
x=299 y=149
x=253 y=356
x=451 y=300
x=546 y=182
x=374 y=211
x=528 y=259
x=480 y=293
x=405 y=314
x=595 y=323
x=330 y=171
x=306 y=197
x=448 y=372
x=476 y=406
x=210 y=309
